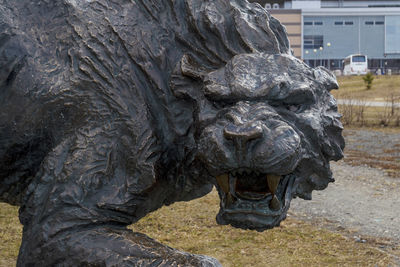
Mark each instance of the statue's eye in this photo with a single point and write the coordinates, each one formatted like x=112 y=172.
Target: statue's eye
x=219 y=104
x=294 y=107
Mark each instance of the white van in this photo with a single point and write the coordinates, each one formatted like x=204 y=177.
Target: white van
x=355 y=65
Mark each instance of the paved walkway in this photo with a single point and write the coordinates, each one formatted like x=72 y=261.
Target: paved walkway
x=357 y=102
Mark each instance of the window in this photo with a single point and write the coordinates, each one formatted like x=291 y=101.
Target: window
x=379 y=22
x=338 y=22
x=348 y=23
x=313 y=41
x=308 y=44
x=358 y=59
x=392 y=34
x=315 y=23
x=369 y=23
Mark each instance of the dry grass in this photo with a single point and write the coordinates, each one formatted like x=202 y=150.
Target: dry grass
x=358 y=111
x=355 y=115
x=382 y=88
x=390 y=162
x=191 y=226
x=10 y=234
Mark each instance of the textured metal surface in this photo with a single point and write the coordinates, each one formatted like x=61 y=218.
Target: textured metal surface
x=111 y=109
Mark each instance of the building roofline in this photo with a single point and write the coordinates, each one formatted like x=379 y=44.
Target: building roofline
x=359 y=11
x=356 y=0
x=284 y=11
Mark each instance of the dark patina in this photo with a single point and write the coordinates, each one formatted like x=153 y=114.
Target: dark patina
x=111 y=109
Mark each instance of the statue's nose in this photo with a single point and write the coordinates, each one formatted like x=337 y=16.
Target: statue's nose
x=242 y=135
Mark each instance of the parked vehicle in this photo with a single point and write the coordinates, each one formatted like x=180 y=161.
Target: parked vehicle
x=355 y=65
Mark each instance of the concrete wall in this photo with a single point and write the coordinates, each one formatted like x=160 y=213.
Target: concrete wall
x=346 y=39
x=306 y=4
x=336 y=3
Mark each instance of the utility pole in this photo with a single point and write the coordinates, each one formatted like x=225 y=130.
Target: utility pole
x=359 y=35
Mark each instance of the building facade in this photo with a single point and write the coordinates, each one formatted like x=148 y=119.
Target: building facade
x=331 y=30
x=292 y=20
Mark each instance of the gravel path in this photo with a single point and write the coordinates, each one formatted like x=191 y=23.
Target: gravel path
x=364 y=201
x=376 y=143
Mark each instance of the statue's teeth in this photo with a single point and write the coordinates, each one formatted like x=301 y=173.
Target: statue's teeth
x=275 y=204
x=273 y=182
x=223 y=182
x=229 y=200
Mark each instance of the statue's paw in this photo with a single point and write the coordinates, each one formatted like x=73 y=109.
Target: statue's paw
x=206 y=261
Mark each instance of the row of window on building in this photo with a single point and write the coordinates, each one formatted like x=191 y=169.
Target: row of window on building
x=373 y=64
x=313 y=41
x=341 y=22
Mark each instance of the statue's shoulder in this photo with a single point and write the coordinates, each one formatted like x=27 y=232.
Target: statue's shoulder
x=12 y=52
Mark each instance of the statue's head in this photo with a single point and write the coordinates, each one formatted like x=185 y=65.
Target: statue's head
x=266 y=129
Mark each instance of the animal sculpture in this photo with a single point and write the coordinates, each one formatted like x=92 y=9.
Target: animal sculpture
x=111 y=109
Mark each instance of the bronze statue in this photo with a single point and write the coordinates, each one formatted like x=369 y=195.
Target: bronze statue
x=110 y=109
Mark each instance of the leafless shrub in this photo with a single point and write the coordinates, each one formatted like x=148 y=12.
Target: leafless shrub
x=354 y=111
x=397 y=120
x=391 y=111
x=395 y=109
x=348 y=111
x=360 y=106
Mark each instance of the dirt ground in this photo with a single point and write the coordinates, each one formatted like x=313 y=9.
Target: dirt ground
x=363 y=205
x=364 y=201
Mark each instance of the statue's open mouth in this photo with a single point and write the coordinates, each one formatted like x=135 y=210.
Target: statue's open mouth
x=253 y=200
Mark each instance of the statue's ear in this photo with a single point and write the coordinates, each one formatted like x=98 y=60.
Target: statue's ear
x=326 y=78
x=187 y=77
